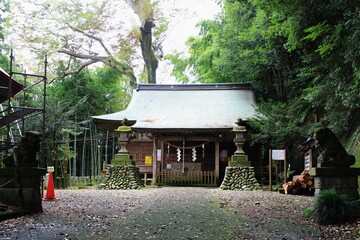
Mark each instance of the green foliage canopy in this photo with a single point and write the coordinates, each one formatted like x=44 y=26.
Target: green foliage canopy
x=302 y=58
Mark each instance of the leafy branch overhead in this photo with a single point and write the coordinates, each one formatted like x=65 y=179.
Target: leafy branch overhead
x=302 y=58
x=92 y=32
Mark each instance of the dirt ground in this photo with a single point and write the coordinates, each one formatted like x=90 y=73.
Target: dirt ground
x=173 y=213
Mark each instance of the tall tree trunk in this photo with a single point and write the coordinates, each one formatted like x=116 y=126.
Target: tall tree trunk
x=151 y=62
x=144 y=10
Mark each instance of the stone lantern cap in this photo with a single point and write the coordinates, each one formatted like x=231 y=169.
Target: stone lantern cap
x=123 y=128
x=239 y=126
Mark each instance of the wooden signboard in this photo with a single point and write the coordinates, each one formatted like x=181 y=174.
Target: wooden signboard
x=278 y=155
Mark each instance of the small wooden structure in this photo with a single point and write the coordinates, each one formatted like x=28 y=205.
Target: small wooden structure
x=307 y=149
x=182 y=134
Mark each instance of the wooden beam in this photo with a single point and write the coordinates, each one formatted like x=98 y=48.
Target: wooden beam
x=217 y=160
x=162 y=156
x=189 y=138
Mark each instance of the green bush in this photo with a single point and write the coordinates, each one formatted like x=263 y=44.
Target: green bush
x=332 y=207
x=308 y=212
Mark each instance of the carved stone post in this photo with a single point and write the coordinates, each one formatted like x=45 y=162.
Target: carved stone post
x=334 y=166
x=20 y=180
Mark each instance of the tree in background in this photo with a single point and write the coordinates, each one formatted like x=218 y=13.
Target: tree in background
x=144 y=9
x=70 y=103
x=301 y=57
x=92 y=32
x=72 y=100
x=4 y=10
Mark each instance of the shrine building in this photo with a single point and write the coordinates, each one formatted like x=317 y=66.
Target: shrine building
x=182 y=133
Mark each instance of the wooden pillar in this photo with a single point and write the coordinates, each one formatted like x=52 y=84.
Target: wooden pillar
x=162 y=156
x=217 y=160
x=145 y=178
x=285 y=167
x=270 y=170
x=153 y=180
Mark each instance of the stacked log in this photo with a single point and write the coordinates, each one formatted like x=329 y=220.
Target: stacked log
x=240 y=178
x=302 y=184
x=122 y=177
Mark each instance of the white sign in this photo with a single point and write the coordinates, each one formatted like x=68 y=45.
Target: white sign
x=158 y=155
x=278 y=154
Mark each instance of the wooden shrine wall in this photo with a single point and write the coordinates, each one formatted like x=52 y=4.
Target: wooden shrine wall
x=139 y=150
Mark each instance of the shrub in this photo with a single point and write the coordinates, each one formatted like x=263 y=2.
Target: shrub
x=308 y=212
x=332 y=207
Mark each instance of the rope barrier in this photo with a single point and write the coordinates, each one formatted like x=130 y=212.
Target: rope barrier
x=189 y=147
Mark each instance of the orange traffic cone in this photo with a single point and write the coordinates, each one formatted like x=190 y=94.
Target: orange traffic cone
x=50 y=193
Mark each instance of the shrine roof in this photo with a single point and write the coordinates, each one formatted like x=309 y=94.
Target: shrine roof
x=184 y=106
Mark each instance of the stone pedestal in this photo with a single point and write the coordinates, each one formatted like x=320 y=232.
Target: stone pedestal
x=122 y=160
x=21 y=187
x=122 y=177
x=342 y=179
x=240 y=178
x=239 y=161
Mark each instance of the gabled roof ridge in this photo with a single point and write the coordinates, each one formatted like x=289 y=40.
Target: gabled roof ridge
x=194 y=86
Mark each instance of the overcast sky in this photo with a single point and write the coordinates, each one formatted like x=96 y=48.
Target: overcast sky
x=184 y=26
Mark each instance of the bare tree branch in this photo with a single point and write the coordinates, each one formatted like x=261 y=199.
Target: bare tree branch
x=81 y=67
x=109 y=61
x=91 y=37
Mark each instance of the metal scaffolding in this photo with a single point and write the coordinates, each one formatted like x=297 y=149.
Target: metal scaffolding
x=13 y=116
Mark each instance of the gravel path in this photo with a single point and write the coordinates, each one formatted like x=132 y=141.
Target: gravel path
x=172 y=213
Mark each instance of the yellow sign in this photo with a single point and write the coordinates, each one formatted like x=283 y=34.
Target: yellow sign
x=148 y=160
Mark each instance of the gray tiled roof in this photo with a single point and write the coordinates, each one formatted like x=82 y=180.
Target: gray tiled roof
x=181 y=107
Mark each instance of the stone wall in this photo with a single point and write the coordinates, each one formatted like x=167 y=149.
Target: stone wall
x=122 y=177
x=21 y=187
x=240 y=178
x=346 y=184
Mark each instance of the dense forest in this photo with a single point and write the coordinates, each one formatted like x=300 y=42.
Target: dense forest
x=301 y=57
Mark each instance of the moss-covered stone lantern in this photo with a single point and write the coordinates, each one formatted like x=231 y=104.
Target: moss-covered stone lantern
x=123 y=157
x=122 y=172
x=239 y=158
x=124 y=132
x=239 y=175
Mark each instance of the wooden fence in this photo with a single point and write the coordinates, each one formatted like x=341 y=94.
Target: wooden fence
x=193 y=178
x=85 y=181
